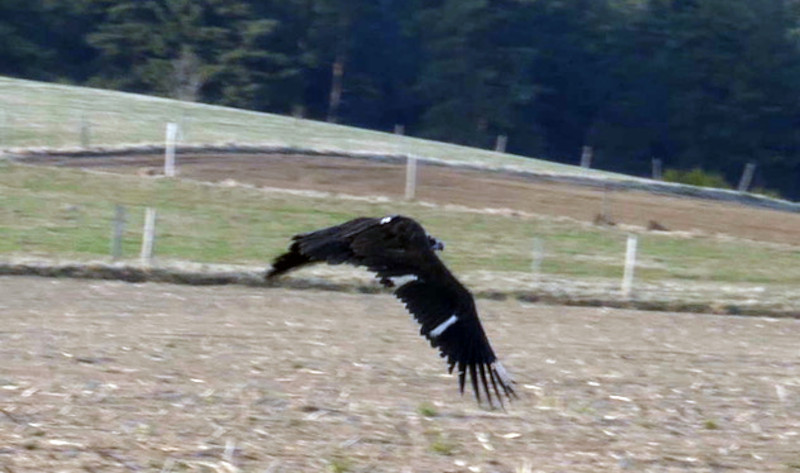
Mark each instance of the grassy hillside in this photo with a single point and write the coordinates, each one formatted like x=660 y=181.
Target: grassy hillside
x=34 y=114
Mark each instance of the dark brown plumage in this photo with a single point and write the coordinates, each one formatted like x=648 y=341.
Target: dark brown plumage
x=402 y=254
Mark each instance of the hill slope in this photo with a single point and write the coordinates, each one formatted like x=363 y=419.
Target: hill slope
x=36 y=114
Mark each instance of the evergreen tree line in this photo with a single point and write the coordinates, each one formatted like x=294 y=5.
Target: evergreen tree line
x=711 y=84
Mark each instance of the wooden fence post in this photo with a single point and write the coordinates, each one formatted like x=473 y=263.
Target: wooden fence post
x=169 y=150
x=411 y=177
x=183 y=126
x=538 y=256
x=148 y=236
x=657 y=169
x=117 y=232
x=586 y=157
x=605 y=206
x=747 y=177
x=630 y=264
x=85 y=132
x=500 y=144
x=3 y=129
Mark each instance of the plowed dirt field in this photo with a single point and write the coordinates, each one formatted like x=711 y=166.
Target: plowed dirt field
x=105 y=376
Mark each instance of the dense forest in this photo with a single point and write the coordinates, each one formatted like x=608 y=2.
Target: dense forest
x=708 y=84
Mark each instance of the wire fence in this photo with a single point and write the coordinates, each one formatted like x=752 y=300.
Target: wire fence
x=577 y=232
x=187 y=245
x=498 y=225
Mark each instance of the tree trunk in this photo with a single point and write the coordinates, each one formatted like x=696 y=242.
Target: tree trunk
x=335 y=100
x=187 y=76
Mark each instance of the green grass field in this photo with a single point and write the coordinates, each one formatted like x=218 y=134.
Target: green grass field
x=67 y=213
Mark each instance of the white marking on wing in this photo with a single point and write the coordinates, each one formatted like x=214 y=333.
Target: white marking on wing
x=404 y=279
x=386 y=220
x=443 y=326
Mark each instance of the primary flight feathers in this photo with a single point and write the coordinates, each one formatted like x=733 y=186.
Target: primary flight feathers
x=403 y=255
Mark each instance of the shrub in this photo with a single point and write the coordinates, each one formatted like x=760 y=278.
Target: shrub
x=696 y=177
x=767 y=192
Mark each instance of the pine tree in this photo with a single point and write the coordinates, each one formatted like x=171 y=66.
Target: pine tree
x=577 y=44
x=332 y=39
x=44 y=39
x=474 y=72
x=20 y=53
x=178 y=48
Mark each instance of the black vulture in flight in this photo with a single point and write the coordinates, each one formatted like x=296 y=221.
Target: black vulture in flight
x=402 y=254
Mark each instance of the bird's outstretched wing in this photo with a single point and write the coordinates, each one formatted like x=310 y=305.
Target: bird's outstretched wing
x=401 y=253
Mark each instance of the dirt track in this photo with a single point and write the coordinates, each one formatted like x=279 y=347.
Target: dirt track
x=469 y=188
x=109 y=376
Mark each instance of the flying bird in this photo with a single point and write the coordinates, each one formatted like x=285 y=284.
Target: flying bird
x=403 y=256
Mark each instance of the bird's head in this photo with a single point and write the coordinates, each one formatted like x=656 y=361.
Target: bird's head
x=436 y=244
